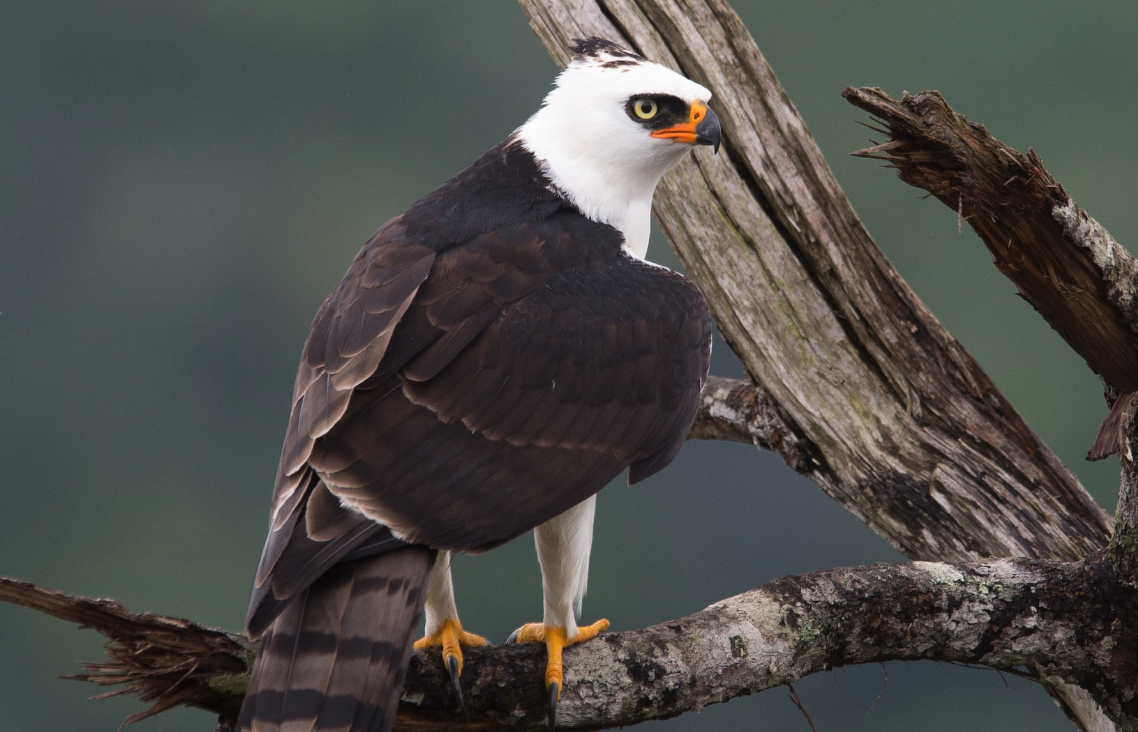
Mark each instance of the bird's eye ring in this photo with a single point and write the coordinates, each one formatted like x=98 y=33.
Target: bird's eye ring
x=645 y=108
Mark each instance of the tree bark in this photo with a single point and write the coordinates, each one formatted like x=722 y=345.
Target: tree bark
x=1004 y=614
x=1062 y=261
x=1063 y=620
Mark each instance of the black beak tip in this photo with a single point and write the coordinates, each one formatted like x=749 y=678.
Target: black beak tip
x=709 y=132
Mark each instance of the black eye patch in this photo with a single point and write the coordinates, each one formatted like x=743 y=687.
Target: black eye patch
x=670 y=111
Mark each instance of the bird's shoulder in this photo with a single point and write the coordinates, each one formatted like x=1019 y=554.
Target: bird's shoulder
x=431 y=280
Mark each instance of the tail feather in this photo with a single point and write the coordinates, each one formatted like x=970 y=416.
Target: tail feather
x=336 y=657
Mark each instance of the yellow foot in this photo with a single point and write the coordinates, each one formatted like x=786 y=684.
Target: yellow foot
x=451 y=638
x=556 y=640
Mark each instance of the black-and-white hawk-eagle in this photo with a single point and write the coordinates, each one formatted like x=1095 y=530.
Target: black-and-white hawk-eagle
x=492 y=358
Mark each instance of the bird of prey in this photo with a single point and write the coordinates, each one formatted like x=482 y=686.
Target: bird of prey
x=492 y=358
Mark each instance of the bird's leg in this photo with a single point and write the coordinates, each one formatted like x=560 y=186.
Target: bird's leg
x=563 y=546
x=443 y=627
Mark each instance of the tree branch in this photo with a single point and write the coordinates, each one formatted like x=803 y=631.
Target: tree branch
x=168 y=661
x=1063 y=621
x=736 y=411
x=1083 y=283
x=1004 y=614
x=1123 y=552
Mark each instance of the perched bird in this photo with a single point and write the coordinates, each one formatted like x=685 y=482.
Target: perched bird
x=492 y=358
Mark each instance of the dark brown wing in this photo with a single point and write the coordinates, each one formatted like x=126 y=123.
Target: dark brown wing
x=467 y=382
x=349 y=337
x=420 y=308
x=596 y=370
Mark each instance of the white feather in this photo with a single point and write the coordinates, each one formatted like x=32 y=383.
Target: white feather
x=563 y=547
x=440 y=605
x=606 y=163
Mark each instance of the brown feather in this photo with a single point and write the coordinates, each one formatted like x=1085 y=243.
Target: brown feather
x=334 y=659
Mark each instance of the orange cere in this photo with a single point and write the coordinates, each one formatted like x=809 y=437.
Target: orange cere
x=685 y=131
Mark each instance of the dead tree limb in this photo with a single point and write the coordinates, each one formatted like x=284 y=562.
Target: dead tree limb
x=1062 y=620
x=1076 y=276
x=167 y=661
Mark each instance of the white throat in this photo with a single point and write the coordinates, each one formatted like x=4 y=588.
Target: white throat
x=603 y=188
x=605 y=163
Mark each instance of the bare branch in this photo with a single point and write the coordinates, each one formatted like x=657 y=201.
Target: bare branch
x=737 y=411
x=168 y=661
x=1063 y=621
x=727 y=409
x=1083 y=283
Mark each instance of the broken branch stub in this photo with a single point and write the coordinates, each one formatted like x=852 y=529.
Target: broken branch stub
x=1062 y=261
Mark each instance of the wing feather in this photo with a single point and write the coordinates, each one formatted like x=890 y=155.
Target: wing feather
x=457 y=397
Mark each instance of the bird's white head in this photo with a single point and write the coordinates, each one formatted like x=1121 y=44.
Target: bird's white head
x=613 y=124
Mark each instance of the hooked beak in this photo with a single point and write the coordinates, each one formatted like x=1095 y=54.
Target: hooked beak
x=702 y=128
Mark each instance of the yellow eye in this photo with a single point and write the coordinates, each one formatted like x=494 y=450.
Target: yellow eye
x=645 y=108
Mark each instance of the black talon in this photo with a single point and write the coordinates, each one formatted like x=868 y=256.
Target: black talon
x=554 y=691
x=452 y=667
x=514 y=636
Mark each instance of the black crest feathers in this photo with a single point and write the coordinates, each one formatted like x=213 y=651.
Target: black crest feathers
x=593 y=47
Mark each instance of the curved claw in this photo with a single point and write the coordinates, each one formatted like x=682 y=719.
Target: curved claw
x=556 y=641
x=451 y=638
x=554 y=695
x=453 y=670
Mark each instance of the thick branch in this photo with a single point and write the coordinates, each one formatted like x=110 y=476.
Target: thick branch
x=1083 y=283
x=1061 y=620
x=1004 y=614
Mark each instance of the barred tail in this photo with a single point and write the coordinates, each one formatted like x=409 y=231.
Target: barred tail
x=336 y=658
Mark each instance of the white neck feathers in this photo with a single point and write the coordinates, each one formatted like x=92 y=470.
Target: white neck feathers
x=594 y=154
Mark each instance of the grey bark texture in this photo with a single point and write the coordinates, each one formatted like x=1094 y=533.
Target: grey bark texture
x=855 y=384
x=1059 y=620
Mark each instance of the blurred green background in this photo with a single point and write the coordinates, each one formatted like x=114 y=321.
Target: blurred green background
x=182 y=182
